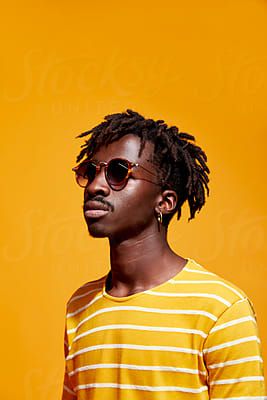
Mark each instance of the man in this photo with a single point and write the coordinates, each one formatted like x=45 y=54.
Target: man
x=158 y=326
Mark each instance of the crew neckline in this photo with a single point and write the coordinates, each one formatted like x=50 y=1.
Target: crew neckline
x=132 y=296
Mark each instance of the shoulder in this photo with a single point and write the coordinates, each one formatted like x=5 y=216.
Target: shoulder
x=208 y=282
x=84 y=295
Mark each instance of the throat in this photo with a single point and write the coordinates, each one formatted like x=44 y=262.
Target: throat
x=134 y=270
x=124 y=285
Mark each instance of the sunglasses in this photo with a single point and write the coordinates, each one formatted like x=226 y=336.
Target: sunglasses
x=117 y=172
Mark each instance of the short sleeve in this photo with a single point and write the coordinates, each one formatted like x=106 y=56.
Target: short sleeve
x=67 y=392
x=232 y=354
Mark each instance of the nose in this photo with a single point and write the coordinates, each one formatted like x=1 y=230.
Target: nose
x=99 y=185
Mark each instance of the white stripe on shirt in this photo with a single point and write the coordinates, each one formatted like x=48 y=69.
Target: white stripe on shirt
x=134 y=347
x=139 y=368
x=237 y=380
x=205 y=295
x=231 y=323
x=144 y=309
x=232 y=343
x=84 y=307
x=68 y=389
x=237 y=361
x=139 y=387
x=140 y=328
x=173 y=281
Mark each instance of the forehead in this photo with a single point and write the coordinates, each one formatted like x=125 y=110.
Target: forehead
x=126 y=147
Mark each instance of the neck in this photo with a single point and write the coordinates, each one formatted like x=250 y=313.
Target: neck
x=142 y=262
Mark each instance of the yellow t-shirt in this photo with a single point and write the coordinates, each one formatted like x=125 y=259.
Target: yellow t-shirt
x=193 y=337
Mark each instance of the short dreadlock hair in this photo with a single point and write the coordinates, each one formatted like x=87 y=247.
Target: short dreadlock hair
x=181 y=164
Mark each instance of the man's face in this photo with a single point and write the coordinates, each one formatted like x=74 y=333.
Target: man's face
x=131 y=210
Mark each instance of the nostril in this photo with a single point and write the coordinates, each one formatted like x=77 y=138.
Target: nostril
x=98 y=186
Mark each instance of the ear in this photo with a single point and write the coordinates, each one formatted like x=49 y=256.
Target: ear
x=167 y=202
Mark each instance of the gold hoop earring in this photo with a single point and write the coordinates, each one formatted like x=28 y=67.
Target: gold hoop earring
x=159 y=219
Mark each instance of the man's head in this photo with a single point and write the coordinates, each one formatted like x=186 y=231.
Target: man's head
x=178 y=164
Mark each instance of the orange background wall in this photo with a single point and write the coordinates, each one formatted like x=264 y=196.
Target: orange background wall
x=200 y=65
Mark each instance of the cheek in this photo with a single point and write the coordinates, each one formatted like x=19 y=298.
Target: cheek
x=136 y=203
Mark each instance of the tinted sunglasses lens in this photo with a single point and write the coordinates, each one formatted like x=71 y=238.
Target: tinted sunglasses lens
x=117 y=171
x=85 y=173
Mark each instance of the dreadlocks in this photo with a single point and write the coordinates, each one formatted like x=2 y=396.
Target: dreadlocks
x=181 y=164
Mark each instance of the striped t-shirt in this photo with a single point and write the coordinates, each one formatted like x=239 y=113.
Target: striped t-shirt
x=193 y=337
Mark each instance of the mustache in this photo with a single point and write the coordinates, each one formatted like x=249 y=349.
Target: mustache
x=101 y=199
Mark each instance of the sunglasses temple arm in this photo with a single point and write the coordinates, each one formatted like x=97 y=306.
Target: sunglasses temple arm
x=152 y=173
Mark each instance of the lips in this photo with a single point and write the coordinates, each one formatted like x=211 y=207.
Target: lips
x=95 y=209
